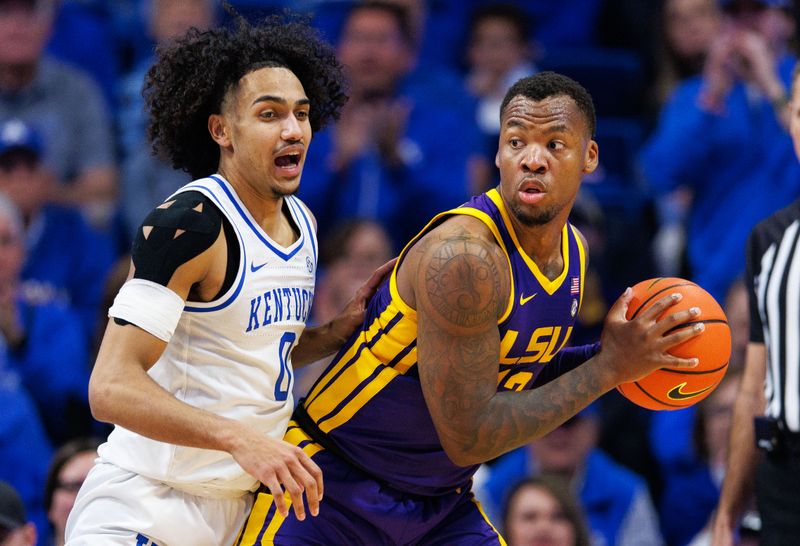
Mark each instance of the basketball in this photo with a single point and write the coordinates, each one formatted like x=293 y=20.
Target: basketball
x=673 y=388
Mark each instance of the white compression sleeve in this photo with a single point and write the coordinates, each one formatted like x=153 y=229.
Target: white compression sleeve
x=150 y=306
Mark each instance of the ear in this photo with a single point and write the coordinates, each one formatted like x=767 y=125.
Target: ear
x=497 y=158
x=592 y=157
x=218 y=128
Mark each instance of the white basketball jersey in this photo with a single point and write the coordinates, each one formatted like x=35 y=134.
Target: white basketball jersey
x=231 y=356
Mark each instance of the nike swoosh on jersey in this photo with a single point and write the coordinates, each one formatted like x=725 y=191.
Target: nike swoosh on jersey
x=676 y=393
x=523 y=300
x=254 y=267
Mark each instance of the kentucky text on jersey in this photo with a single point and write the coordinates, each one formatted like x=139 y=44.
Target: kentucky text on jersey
x=279 y=305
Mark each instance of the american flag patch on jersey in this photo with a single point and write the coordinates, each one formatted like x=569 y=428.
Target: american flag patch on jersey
x=575 y=286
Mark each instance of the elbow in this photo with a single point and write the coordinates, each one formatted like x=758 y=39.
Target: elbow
x=463 y=454
x=100 y=400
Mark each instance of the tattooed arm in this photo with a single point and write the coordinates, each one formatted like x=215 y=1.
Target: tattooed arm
x=460 y=284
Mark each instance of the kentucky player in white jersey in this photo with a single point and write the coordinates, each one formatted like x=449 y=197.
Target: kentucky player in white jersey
x=195 y=368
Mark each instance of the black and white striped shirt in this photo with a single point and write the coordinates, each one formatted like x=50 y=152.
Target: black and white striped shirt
x=773 y=278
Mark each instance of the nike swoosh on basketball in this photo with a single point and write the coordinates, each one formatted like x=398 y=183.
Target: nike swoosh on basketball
x=254 y=267
x=523 y=300
x=676 y=393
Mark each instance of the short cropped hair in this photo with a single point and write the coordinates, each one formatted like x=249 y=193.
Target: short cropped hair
x=192 y=75
x=551 y=84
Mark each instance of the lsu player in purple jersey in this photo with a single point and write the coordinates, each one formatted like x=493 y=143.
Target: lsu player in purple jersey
x=462 y=355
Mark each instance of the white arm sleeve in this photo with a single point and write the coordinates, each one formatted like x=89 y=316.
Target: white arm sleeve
x=152 y=307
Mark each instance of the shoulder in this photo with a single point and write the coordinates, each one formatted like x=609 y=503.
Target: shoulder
x=462 y=280
x=174 y=233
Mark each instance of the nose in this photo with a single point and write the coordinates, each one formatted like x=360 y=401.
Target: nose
x=291 y=130
x=535 y=160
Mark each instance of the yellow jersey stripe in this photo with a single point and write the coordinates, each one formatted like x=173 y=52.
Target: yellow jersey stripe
x=480 y=509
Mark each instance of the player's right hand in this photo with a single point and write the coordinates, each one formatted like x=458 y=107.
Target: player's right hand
x=634 y=348
x=281 y=466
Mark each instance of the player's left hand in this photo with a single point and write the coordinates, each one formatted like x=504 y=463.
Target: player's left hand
x=353 y=314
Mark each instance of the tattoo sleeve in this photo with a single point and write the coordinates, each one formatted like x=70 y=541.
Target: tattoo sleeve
x=462 y=286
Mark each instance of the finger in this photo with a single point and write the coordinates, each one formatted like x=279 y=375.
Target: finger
x=309 y=484
x=682 y=335
x=295 y=491
x=276 y=491
x=316 y=473
x=674 y=321
x=661 y=305
x=379 y=274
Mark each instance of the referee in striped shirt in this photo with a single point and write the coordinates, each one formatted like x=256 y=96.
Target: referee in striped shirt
x=765 y=433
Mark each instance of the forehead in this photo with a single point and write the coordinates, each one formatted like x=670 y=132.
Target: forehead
x=275 y=82
x=558 y=110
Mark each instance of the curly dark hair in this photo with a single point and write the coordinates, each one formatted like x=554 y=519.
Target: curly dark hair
x=550 y=84
x=192 y=75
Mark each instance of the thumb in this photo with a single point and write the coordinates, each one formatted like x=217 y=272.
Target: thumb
x=619 y=310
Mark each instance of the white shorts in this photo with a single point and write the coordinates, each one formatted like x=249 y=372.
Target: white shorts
x=117 y=507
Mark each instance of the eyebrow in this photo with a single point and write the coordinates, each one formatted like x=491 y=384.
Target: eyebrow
x=279 y=100
x=561 y=128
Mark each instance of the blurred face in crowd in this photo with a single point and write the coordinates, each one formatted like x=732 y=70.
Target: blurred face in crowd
x=717 y=410
x=536 y=518
x=691 y=25
x=172 y=18
x=24 y=30
x=25 y=181
x=566 y=448
x=70 y=479
x=374 y=52
x=544 y=152
x=495 y=46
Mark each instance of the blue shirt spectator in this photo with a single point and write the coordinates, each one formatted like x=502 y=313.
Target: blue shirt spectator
x=615 y=500
x=721 y=136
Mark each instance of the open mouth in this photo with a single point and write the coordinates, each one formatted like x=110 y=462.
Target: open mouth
x=289 y=160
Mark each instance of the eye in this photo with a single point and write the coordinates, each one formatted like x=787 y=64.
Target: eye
x=267 y=114
x=301 y=115
x=515 y=143
x=555 y=145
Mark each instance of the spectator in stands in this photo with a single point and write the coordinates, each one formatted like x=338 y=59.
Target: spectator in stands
x=24 y=450
x=498 y=54
x=83 y=36
x=66 y=260
x=393 y=157
x=688 y=28
x=146 y=178
x=64 y=103
x=692 y=482
x=721 y=135
x=45 y=344
x=543 y=511
x=616 y=501
x=15 y=529
x=68 y=469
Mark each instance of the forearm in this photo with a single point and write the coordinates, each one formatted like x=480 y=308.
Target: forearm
x=742 y=457
x=141 y=405
x=513 y=419
x=316 y=343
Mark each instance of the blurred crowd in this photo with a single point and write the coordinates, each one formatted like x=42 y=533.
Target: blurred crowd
x=692 y=103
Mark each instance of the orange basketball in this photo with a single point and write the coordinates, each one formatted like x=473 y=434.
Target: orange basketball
x=672 y=388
